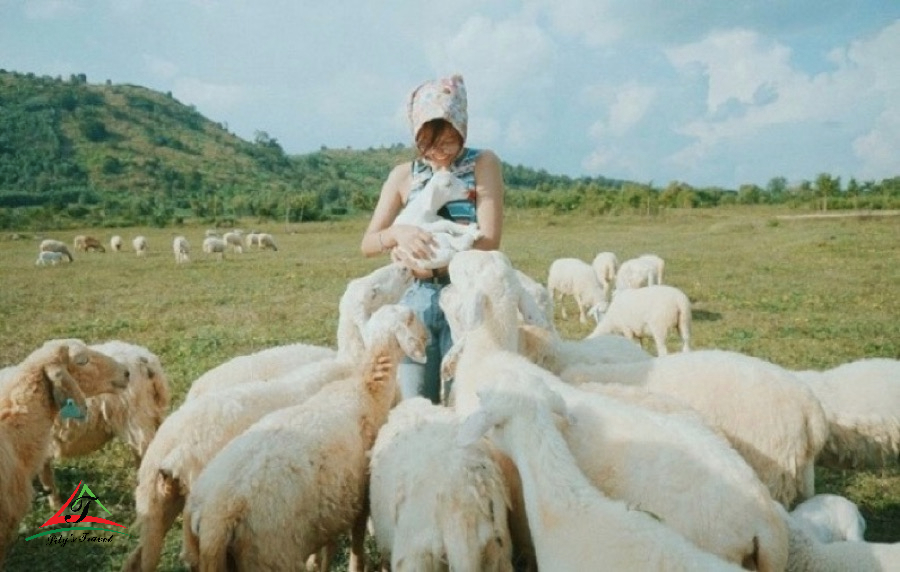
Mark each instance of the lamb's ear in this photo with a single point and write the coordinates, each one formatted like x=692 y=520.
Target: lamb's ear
x=79 y=352
x=65 y=391
x=450 y=360
x=411 y=342
x=146 y=370
x=531 y=312
x=474 y=309
x=474 y=427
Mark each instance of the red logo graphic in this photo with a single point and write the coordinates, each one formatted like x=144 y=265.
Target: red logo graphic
x=75 y=510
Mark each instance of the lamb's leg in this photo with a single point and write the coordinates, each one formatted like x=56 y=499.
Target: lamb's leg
x=154 y=525
x=581 y=316
x=358 y=541
x=659 y=338
x=49 y=485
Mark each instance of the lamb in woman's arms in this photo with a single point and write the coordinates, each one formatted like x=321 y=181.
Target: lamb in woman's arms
x=451 y=237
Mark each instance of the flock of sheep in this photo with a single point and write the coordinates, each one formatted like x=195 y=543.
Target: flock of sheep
x=547 y=453
x=52 y=251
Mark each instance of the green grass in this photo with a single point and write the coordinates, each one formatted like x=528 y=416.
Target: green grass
x=801 y=293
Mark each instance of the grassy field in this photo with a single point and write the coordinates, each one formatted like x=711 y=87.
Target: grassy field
x=801 y=293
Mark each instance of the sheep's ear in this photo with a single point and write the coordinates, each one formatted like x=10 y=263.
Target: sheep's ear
x=412 y=344
x=65 y=391
x=450 y=361
x=474 y=310
x=145 y=368
x=474 y=427
x=79 y=353
x=531 y=312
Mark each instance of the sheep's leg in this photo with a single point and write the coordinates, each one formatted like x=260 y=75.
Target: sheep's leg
x=659 y=338
x=581 y=316
x=153 y=526
x=357 y=542
x=49 y=485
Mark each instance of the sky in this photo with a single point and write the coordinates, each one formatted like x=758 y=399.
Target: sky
x=704 y=92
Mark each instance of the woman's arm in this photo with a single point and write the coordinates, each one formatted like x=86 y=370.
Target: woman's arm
x=489 y=199
x=381 y=236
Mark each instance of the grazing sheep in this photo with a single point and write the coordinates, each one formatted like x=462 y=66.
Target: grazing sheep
x=57 y=376
x=574 y=277
x=451 y=237
x=182 y=249
x=50 y=245
x=861 y=400
x=775 y=423
x=132 y=415
x=297 y=479
x=650 y=311
x=52 y=258
x=115 y=243
x=830 y=518
x=540 y=294
x=85 y=243
x=637 y=273
x=140 y=246
x=574 y=526
x=251 y=239
x=605 y=266
x=426 y=519
x=266 y=241
x=671 y=465
x=548 y=350
x=214 y=245
x=235 y=239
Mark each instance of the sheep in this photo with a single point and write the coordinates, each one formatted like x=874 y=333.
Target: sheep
x=451 y=237
x=54 y=378
x=637 y=273
x=605 y=265
x=574 y=526
x=650 y=311
x=235 y=239
x=115 y=243
x=426 y=519
x=298 y=478
x=252 y=239
x=807 y=554
x=673 y=466
x=132 y=415
x=50 y=245
x=85 y=243
x=140 y=246
x=214 y=245
x=182 y=249
x=830 y=518
x=266 y=241
x=775 y=423
x=540 y=294
x=52 y=258
x=211 y=232
x=862 y=402
x=553 y=353
x=574 y=277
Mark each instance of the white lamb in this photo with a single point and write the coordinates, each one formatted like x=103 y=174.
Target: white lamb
x=574 y=277
x=574 y=526
x=55 y=377
x=140 y=245
x=830 y=518
x=605 y=266
x=672 y=466
x=540 y=294
x=297 y=479
x=451 y=237
x=637 y=273
x=265 y=241
x=251 y=239
x=775 y=423
x=50 y=245
x=235 y=239
x=214 y=245
x=550 y=351
x=51 y=258
x=650 y=311
x=132 y=415
x=434 y=504
x=182 y=249
x=862 y=402
x=115 y=243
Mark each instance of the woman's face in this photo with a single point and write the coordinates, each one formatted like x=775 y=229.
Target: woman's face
x=444 y=148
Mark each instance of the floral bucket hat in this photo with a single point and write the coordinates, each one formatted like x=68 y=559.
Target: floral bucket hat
x=443 y=98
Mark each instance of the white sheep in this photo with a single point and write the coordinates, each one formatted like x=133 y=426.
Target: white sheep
x=650 y=311
x=775 y=423
x=51 y=245
x=115 y=243
x=830 y=518
x=550 y=351
x=140 y=245
x=210 y=232
x=427 y=519
x=182 y=249
x=574 y=526
x=55 y=377
x=251 y=239
x=540 y=294
x=51 y=258
x=235 y=239
x=132 y=415
x=214 y=245
x=862 y=402
x=298 y=479
x=574 y=277
x=672 y=466
x=85 y=243
x=808 y=554
x=605 y=266
x=266 y=241
x=637 y=273
x=451 y=237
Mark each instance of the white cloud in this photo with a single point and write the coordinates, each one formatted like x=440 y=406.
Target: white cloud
x=630 y=105
x=215 y=98
x=879 y=149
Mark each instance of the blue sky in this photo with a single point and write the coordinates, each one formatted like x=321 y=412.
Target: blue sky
x=707 y=92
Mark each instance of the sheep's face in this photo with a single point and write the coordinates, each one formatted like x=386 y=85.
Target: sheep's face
x=401 y=323
x=96 y=372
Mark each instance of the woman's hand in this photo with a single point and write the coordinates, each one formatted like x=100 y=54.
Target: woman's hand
x=413 y=241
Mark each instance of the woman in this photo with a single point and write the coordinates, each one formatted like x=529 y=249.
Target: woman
x=438 y=119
